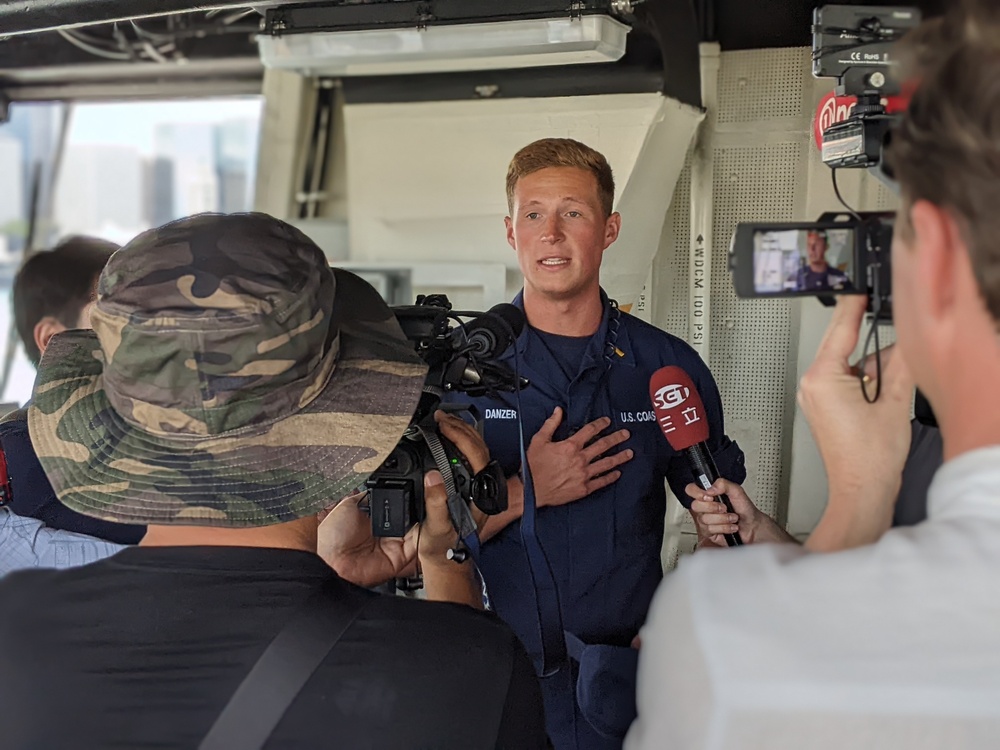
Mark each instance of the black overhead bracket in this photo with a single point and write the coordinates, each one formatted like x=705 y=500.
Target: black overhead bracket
x=678 y=30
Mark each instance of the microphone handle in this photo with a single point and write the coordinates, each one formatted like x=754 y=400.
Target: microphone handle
x=706 y=473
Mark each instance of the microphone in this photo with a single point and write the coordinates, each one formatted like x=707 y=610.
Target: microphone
x=488 y=336
x=682 y=419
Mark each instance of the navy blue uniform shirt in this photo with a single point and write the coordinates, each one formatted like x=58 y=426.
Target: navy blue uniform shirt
x=604 y=549
x=33 y=496
x=830 y=279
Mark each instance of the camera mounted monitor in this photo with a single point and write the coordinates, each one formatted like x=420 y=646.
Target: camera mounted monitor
x=854 y=44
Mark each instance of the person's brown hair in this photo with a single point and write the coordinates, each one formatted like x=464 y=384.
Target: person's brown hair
x=562 y=152
x=946 y=148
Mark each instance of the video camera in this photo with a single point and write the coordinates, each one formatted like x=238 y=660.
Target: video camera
x=842 y=252
x=462 y=358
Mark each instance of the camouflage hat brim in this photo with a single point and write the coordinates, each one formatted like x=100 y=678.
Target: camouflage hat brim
x=103 y=466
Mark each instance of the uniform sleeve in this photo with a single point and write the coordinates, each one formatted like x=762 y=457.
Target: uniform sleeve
x=674 y=691
x=522 y=725
x=729 y=458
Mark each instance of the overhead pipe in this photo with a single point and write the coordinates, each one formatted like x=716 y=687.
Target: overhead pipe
x=31 y=16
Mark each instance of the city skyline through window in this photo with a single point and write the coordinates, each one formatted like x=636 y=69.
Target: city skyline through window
x=127 y=167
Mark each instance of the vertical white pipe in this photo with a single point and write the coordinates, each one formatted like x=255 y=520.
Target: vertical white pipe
x=702 y=206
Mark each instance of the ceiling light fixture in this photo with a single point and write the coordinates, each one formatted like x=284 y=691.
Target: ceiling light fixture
x=494 y=45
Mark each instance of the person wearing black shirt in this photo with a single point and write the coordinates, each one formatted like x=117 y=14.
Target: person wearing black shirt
x=234 y=387
x=152 y=662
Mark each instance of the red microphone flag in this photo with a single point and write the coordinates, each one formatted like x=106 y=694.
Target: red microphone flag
x=678 y=407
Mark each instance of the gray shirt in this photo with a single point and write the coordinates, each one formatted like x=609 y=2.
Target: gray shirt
x=28 y=543
x=926 y=457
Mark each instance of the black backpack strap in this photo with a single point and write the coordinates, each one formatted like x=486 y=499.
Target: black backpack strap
x=265 y=694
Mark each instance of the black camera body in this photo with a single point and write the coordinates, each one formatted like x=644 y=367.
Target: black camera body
x=461 y=358
x=395 y=489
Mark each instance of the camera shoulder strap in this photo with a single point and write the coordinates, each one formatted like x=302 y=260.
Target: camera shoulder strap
x=261 y=700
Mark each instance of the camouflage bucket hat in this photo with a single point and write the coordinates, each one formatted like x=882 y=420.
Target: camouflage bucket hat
x=232 y=379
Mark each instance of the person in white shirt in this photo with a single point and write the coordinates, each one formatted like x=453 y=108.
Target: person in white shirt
x=866 y=637
x=29 y=543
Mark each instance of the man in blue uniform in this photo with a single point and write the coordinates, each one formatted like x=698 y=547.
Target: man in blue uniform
x=818 y=275
x=597 y=457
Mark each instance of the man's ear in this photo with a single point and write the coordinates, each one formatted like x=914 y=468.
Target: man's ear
x=45 y=329
x=937 y=240
x=509 y=223
x=612 y=227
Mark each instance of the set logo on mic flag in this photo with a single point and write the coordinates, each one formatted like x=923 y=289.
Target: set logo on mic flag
x=671 y=395
x=678 y=407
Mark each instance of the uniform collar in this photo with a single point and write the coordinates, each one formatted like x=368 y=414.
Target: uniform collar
x=623 y=343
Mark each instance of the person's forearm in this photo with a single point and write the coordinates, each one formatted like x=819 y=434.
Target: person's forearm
x=515 y=508
x=448 y=581
x=780 y=536
x=853 y=518
x=767 y=530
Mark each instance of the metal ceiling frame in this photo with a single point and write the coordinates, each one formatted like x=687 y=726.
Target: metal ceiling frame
x=717 y=18
x=175 y=56
x=228 y=63
x=32 y=16
x=101 y=91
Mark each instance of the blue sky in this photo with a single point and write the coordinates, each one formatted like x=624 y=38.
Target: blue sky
x=133 y=123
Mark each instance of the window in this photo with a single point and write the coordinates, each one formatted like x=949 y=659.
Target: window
x=126 y=167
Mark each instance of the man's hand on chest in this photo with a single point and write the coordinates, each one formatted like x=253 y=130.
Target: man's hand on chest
x=570 y=469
